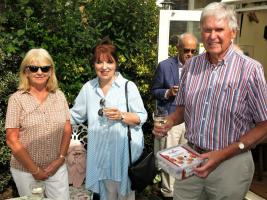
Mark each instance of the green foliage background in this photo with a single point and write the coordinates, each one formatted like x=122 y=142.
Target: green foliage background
x=69 y=30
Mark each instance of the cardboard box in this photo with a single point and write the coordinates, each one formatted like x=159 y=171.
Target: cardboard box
x=179 y=161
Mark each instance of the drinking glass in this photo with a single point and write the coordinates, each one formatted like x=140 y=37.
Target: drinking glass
x=105 y=106
x=160 y=118
x=37 y=190
x=109 y=107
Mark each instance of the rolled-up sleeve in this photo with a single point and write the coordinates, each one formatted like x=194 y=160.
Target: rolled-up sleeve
x=79 y=110
x=136 y=104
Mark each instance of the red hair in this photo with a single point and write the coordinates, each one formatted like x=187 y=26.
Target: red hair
x=105 y=52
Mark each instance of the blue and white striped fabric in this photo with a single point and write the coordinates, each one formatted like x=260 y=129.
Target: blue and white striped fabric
x=107 y=149
x=222 y=101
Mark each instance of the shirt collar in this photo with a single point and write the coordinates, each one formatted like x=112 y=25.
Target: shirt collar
x=180 y=65
x=25 y=92
x=226 y=58
x=229 y=53
x=117 y=82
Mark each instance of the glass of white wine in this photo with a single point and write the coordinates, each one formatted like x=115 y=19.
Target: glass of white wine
x=160 y=118
x=37 y=190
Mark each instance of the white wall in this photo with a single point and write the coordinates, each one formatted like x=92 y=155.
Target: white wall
x=252 y=39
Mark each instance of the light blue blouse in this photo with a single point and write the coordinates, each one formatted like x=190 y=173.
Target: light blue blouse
x=107 y=148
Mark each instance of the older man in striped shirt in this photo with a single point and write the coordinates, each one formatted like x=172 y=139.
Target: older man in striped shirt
x=223 y=102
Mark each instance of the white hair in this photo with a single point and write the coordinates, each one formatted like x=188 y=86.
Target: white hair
x=181 y=38
x=220 y=11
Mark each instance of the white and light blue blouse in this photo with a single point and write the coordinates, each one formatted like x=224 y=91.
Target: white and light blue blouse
x=107 y=148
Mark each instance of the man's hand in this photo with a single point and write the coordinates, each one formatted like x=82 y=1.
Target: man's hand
x=172 y=91
x=161 y=129
x=213 y=160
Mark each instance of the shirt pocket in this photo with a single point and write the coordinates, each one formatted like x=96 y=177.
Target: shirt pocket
x=230 y=91
x=230 y=98
x=57 y=113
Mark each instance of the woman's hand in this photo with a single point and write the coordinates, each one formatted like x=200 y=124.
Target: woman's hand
x=52 y=168
x=40 y=174
x=112 y=113
x=115 y=114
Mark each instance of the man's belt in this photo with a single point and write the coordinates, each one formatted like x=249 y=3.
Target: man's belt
x=197 y=148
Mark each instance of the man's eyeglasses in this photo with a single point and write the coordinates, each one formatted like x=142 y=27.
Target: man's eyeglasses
x=35 y=69
x=102 y=105
x=193 y=51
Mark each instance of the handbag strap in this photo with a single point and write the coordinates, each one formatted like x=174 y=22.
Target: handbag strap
x=128 y=126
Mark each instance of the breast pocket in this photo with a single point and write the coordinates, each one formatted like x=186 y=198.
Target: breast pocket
x=230 y=93
x=230 y=98
x=57 y=113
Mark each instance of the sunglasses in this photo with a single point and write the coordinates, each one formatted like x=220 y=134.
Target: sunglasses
x=193 y=51
x=102 y=104
x=35 y=69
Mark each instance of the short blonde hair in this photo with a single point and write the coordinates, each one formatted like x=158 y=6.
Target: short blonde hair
x=36 y=56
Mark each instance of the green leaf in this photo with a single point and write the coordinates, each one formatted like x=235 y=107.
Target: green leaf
x=109 y=24
x=20 y=32
x=28 y=12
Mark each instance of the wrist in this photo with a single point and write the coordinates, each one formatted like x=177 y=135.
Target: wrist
x=36 y=171
x=122 y=116
x=167 y=94
x=62 y=157
x=170 y=121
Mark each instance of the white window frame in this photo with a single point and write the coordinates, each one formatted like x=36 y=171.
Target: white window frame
x=166 y=16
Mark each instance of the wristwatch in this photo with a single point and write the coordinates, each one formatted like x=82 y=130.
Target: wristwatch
x=241 y=146
x=122 y=116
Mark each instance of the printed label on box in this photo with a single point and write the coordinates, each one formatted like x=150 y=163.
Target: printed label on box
x=179 y=161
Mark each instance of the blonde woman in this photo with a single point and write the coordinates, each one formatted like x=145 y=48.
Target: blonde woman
x=38 y=128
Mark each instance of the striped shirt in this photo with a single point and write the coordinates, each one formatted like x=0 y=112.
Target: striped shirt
x=222 y=101
x=107 y=148
x=41 y=126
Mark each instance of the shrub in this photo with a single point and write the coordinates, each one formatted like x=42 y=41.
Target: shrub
x=7 y=86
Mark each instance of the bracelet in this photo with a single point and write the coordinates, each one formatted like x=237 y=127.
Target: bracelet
x=37 y=171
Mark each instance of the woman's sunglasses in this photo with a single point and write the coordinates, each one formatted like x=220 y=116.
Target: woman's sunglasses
x=35 y=69
x=102 y=105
